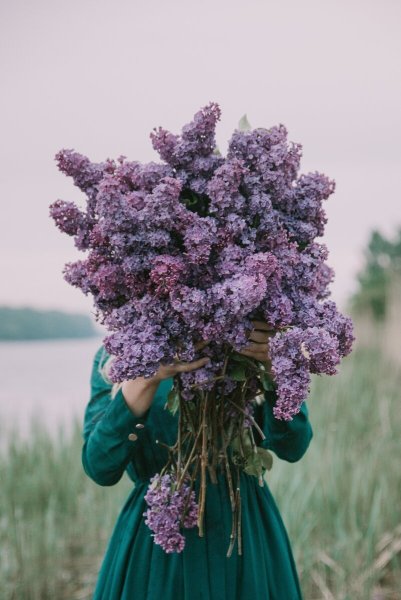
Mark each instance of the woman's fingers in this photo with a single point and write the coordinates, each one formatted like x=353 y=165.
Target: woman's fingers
x=258 y=355
x=200 y=345
x=196 y=364
x=260 y=337
x=259 y=348
x=261 y=325
x=261 y=331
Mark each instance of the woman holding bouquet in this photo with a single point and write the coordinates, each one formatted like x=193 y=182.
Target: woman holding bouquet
x=131 y=432
x=202 y=245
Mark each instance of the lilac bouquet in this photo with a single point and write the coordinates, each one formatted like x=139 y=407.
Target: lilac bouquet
x=193 y=248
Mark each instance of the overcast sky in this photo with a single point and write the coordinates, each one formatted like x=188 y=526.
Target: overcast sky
x=97 y=76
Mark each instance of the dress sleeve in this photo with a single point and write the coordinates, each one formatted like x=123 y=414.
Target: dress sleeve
x=289 y=440
x=107 y=450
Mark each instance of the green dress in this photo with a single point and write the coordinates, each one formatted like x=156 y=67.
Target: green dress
x=134 y=567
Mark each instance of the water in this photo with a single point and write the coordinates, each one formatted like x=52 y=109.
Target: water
x=46 y=380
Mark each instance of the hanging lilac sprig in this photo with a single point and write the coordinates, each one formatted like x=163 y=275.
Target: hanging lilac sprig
x=165 y=515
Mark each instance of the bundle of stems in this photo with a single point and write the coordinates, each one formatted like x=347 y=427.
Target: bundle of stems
x=206 y=430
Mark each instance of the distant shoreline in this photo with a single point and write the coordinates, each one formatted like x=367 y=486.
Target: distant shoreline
x=31 y=324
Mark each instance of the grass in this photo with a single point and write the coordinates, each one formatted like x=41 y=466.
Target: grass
x=340 y=503
x=54 y=521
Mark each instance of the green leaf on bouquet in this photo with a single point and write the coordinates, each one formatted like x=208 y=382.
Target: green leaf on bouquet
x=245 y=360
x=173 y=401
x=257 y=463
x=254 y=465
x=244 y=124
x=235 y=443
x=247 y=441
x=266 y=458
x=266 y=381
x=238 y=372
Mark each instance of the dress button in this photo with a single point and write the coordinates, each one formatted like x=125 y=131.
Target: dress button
x=139 y=425
x=132 y=437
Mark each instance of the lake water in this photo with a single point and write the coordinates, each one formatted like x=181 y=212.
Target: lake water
x=44 y=380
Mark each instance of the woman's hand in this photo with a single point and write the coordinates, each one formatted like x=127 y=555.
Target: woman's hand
x=259 y=338
x=259 y=346
x=166 y=371
x=139 y=392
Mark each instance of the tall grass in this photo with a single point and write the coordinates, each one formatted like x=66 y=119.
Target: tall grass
x=54 y=521
x=340 y=503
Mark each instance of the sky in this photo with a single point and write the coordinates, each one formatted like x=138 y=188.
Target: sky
x=98 y=76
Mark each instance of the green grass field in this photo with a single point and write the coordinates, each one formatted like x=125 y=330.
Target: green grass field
x=340 y=503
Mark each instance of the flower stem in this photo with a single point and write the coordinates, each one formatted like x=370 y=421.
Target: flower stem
x=187 y=464
x=204 y=462
x=250 y=418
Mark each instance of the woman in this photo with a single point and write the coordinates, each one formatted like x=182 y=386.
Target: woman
x=121 y=434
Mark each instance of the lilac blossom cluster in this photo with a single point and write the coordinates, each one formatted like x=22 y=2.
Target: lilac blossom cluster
x=195 y=247
x=165 y=512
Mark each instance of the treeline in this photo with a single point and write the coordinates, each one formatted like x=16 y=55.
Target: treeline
x=35 y=324
x=382 y=265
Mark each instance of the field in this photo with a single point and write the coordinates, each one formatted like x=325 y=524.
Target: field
x=340 y=503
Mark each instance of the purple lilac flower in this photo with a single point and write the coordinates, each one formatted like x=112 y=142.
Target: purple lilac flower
x=198 y=240
x=141 y=177
x=75 y=273
x=67 y=217
x=230 y=260
x=306 y=209
x=271 y=163
x=228 y=303
x=203 y=377
x=197 y=138
x=290 y=369
x=222 y=189
x=163 y=209
x=191 y=304
x=262 y=263
x=323 y=350
x=85 y=174
x=166 y=505
x=140 y=349
x=167 y=271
